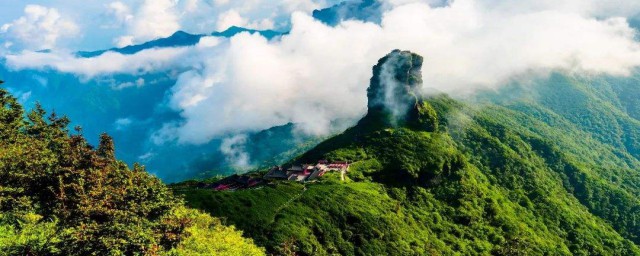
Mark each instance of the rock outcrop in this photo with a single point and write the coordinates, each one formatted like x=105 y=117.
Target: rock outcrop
x=395 y=93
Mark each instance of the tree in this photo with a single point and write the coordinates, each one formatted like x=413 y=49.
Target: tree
x=106 y=148
x=59 y=196
x=11 y=115
x=423 y=117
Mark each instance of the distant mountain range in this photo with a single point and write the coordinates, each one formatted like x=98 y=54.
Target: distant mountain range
x=364 y=10
x=178 y=39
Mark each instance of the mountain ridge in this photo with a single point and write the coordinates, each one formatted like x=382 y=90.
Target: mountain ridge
x=365 y=10
x=178 y=39
x=480 y=179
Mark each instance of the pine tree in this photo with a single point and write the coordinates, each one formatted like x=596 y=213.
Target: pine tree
x=106 y=148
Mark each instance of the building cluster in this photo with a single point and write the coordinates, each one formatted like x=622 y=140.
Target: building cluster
x=298 y=173
x=307 y=172
x=235 y=182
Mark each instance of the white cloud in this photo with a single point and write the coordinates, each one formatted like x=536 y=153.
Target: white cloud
x=123 y=123
x=39 y=28
x=301 y=5
x=177 y=59
x=156 y=18
x=191 y=5
x=233 y=18
x=153 y=19
x=147 y=156
x=124 y=41
x=121 y=12
x=255 y=14
x=108 y=63
x=234 y=149
x=230 y=18
x=317 y=74
x=592 y=8
x=137 y=83
x=317 y=84
x=220 y=2
x=208 y=41
x=466 y=45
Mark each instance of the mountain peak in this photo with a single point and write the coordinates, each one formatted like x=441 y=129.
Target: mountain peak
x=364 y=10
x=180 y=33
x=395 y=88
x=234 y=30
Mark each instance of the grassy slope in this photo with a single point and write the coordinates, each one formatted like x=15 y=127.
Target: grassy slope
x=551 y=174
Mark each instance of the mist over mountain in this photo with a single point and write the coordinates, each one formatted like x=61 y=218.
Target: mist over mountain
x=366 y=10
x=153 y=97
x=179 y=39
x=132 y=108
x=524 y=170
x=320 y=127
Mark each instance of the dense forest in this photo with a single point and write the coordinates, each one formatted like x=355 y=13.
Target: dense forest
x=61 y=196
x=550 y=169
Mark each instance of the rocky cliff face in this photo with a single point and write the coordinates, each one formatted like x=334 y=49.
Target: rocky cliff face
x=394 y=94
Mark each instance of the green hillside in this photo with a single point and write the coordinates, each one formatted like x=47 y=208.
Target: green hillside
x=60 y=196
x=550 y=168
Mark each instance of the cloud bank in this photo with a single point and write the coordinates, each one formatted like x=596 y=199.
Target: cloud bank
x=38 y=29
x=109 y=63
x=152 y=19
x=318 y=74
x=104 y=24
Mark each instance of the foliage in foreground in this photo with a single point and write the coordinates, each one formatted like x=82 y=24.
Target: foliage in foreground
x=60 y=196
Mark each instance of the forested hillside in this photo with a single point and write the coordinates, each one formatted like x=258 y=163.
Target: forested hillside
x=545 y=169
x=509 y=127
x=61 y=196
